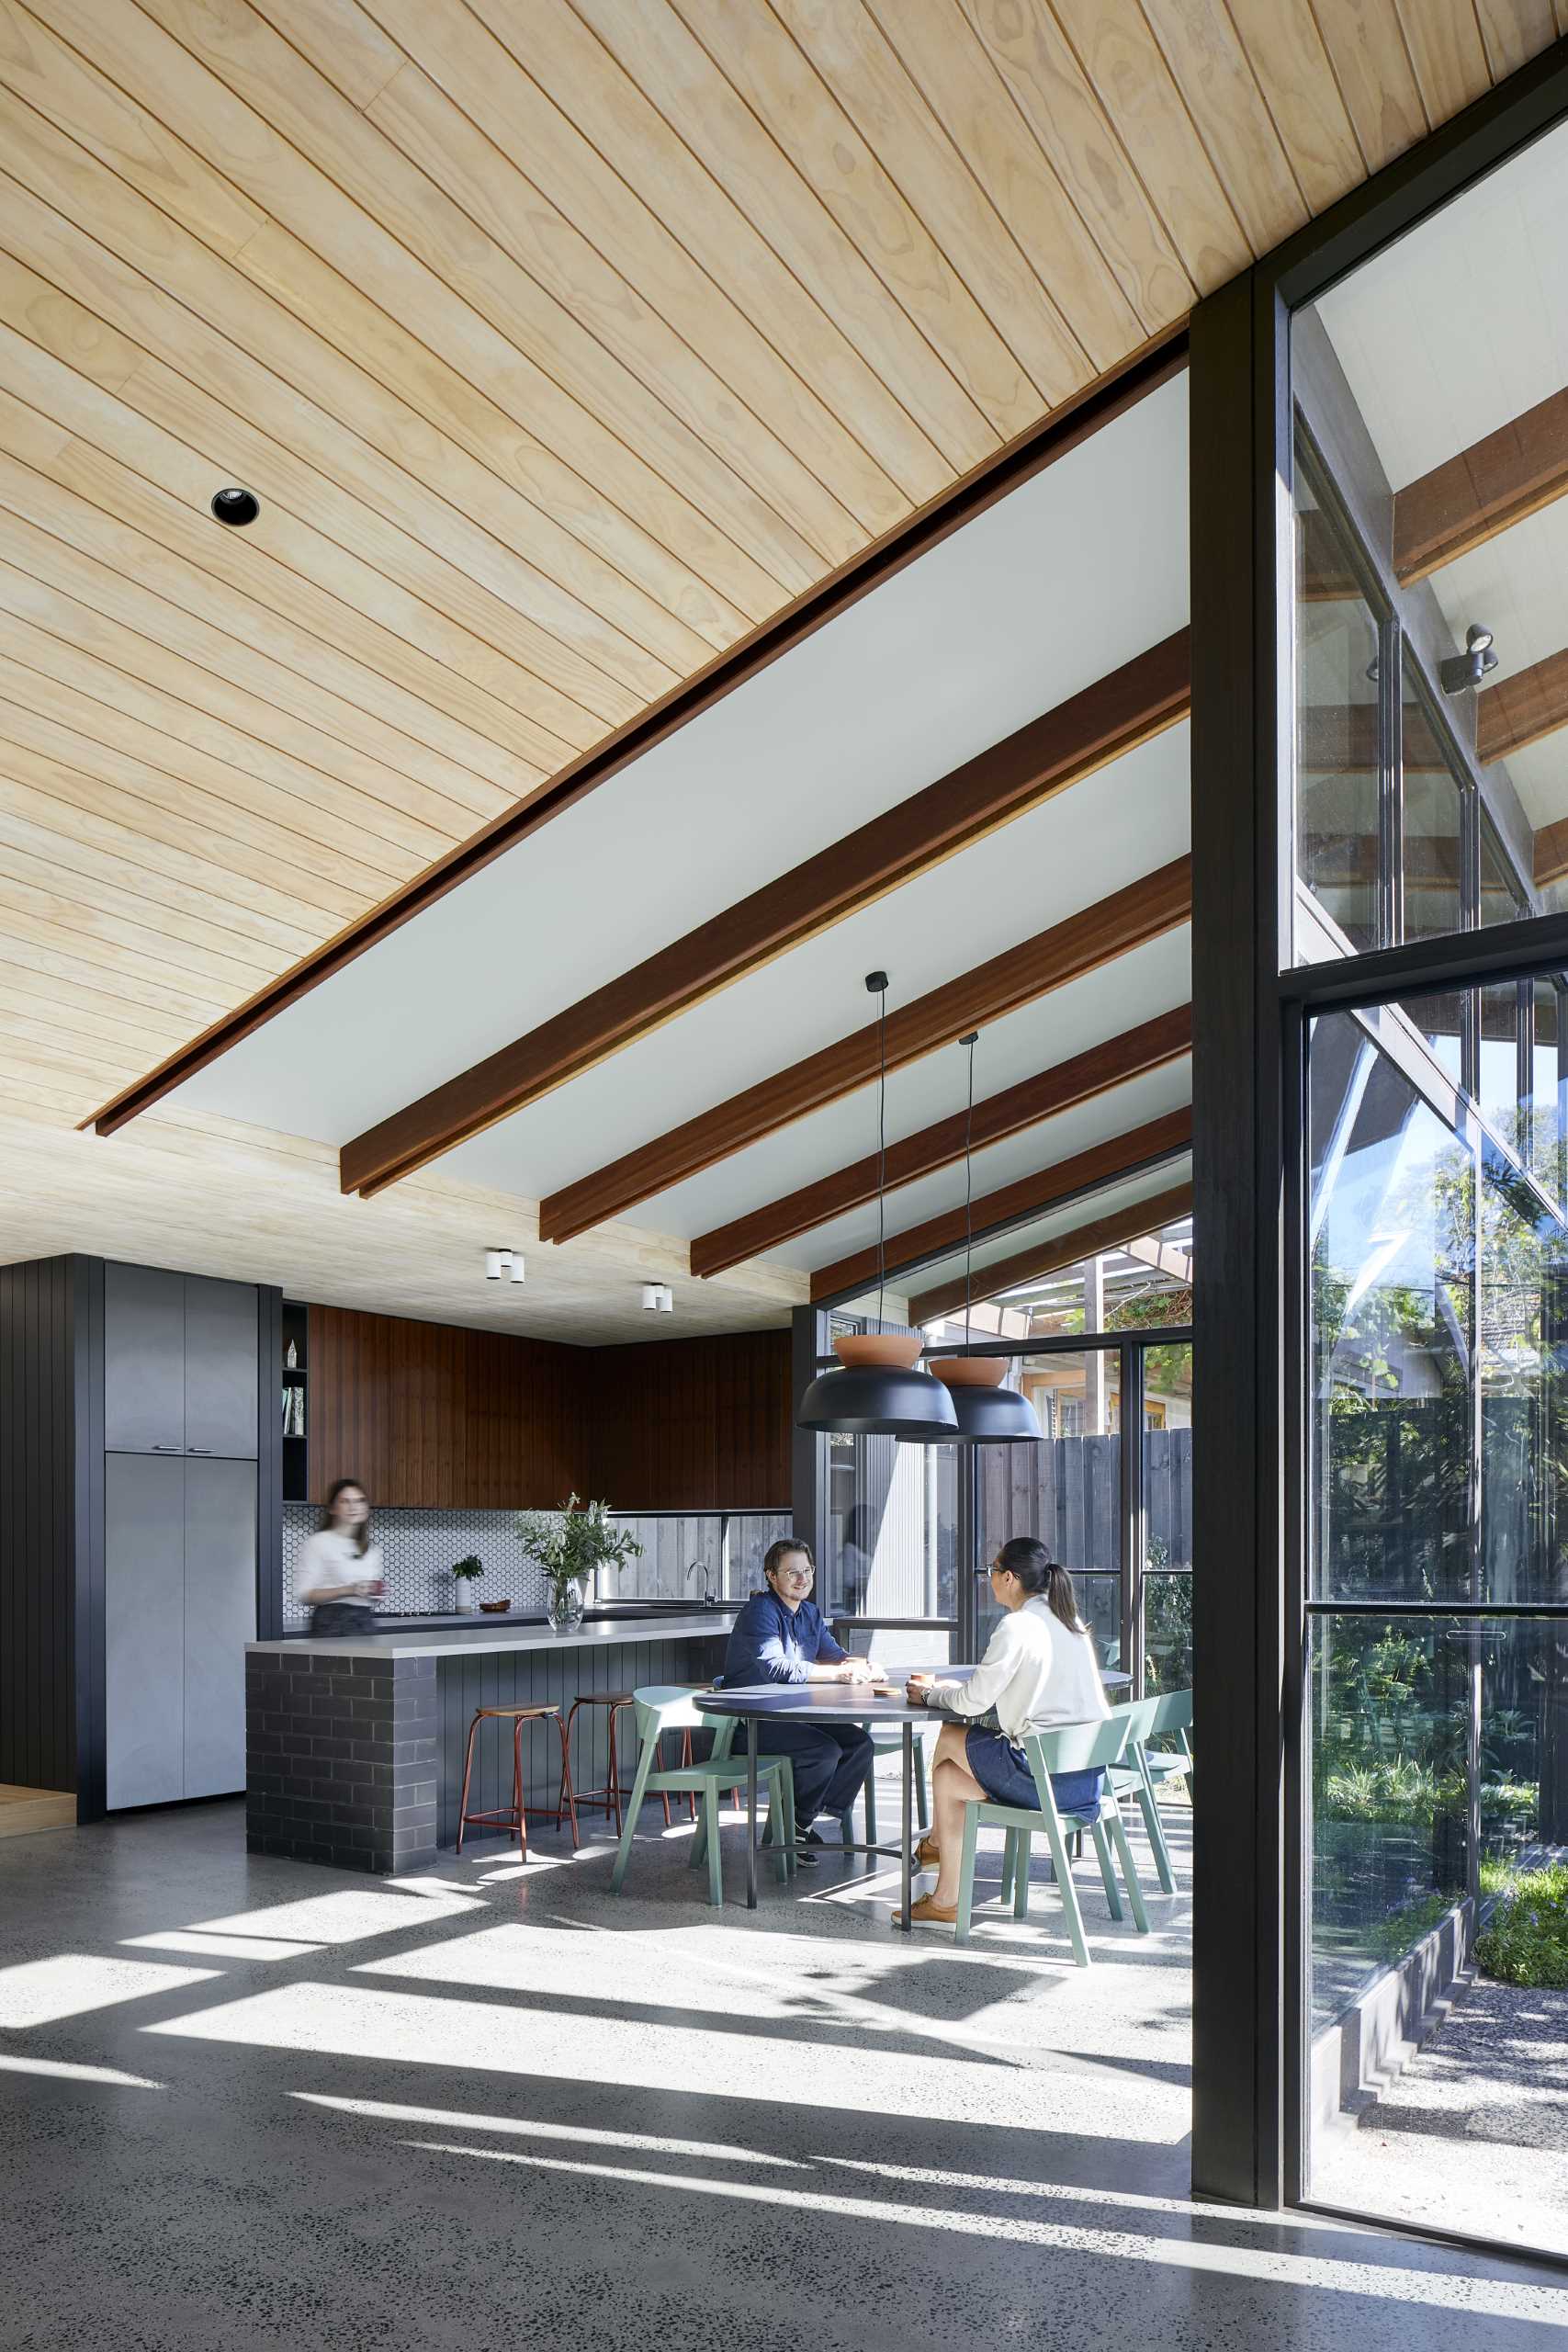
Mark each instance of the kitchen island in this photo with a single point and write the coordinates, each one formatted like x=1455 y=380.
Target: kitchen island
x=353 y=1748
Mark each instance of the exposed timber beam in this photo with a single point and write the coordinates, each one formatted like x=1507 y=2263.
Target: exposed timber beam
x=1161 y=1259
x=1087 y=412
x=1148 y=1047
x=1146 y=910
x=1034 y=1195
x=1522 y=708
x=1468 y=499
x=1049 y=1257
x=1109 y=718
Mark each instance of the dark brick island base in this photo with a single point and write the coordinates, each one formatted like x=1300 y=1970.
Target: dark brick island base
x=353 y=1748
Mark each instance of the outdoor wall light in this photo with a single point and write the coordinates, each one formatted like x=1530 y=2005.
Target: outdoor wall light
x=1467 y=669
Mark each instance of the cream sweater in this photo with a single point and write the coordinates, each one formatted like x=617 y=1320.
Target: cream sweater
x=1036 y=1673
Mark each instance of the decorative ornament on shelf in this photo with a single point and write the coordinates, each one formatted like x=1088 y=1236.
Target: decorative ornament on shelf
x=569 y=1545
x=877 y=1391
x=989 y=1413
x=468 y=1573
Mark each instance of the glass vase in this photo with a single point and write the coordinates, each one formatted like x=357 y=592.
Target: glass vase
x=564 y=1608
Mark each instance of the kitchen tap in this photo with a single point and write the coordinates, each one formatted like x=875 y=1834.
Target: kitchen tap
x=699 y=1568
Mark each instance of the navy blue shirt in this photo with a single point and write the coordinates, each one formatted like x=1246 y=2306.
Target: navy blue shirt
x=769 y=1643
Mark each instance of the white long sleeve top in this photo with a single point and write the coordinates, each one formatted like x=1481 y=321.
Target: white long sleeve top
x=1036 y=1673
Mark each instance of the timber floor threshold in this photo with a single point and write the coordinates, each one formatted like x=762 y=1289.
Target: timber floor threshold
x=23 y=1810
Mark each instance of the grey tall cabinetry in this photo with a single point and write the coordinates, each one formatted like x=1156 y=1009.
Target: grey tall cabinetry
x=141 y=1526
x=181 y=1382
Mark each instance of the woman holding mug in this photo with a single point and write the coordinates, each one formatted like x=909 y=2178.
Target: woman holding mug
x=338 y=1572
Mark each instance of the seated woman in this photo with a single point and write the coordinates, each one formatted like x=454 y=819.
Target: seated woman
x=779 y=1637
x=1039 y=1670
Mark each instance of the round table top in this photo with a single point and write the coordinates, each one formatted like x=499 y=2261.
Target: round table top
x=843 y=1702
x=829 y=1702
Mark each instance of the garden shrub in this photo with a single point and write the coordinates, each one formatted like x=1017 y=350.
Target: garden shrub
x=1526 y=1940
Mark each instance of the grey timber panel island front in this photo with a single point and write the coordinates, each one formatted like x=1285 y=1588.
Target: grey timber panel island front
x=353 y=1748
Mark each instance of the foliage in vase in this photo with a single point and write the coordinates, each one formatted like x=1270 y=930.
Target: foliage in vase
x=569 y=1543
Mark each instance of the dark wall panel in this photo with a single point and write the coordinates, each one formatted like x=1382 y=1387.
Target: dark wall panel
x=46 y=1552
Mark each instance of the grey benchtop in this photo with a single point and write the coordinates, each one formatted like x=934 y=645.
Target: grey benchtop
x=656 y=1627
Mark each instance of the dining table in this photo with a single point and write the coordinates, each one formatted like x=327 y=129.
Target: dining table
x=871 y=1704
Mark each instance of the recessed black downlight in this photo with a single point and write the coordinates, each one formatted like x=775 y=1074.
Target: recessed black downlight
x=236 y=507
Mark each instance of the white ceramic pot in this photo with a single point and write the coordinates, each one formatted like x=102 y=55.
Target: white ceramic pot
x=468 y=1597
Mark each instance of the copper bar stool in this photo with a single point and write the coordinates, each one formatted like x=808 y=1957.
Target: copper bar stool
x=514 y=1817
x=610 y=1795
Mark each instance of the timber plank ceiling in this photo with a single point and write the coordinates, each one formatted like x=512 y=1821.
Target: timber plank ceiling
x=562 y=344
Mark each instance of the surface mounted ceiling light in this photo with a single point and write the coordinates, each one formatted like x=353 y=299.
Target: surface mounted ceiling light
x=504 y=1262
x=236 y=507
x=1467 y=669
x=989 y=1413
x=876 y=1390
x=657 y=1298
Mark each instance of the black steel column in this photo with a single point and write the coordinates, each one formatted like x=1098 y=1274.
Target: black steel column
x=1239 y=423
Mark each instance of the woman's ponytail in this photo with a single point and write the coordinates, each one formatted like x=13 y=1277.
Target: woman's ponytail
x=1042 y=1576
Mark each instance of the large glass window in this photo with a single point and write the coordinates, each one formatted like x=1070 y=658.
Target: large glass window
x=1338 y=735
x=1068 y=1492
x=1434 y=1760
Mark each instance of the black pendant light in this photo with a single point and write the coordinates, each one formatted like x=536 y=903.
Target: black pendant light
x=988 y=1413
x=876 y=1390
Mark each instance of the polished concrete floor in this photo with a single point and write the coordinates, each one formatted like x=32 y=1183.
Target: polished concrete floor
x=253 y=2104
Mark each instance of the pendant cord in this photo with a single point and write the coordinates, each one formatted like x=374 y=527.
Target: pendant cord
x=882 y=1153
x=968 y=1189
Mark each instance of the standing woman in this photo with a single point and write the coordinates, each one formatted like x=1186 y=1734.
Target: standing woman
x=1039 y=1670
x=339 y=1569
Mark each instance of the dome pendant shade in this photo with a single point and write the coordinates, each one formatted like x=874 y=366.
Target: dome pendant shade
x=876 y=1392
x=994 y=1417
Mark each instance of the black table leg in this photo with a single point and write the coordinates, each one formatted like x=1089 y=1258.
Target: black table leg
x=752 y=1813
x=908 y=1873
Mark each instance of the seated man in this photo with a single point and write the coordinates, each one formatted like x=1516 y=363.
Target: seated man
x=779 y=1637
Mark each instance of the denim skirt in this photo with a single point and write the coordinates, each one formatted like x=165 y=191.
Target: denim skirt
x=1003 y=1772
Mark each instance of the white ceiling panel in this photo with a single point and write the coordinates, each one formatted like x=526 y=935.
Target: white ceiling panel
x=1462 y=325
x=1151 y=980
x=1124 y=821
x=1106 y=1203
x=1517 y=583
x=1001 y=621
x=1109 y=1115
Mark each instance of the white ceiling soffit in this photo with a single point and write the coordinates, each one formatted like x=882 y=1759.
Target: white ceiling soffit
x=1149 y=980
x=1109 y=1115
x=1052 y=588
x=1108 y=1202
x=1462 y=326
x=1123 y=821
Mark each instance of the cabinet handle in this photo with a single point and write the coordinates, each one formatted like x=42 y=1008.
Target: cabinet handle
x=198 y=1449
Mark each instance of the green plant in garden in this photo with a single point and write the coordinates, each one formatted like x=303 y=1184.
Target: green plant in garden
x=568 y=1544
x=1526 y=1940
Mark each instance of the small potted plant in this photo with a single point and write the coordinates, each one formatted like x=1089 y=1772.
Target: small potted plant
x=568 y=1544
x=468 y=1573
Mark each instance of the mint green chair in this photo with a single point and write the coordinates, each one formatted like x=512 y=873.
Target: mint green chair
x=1173 y=1719
x=662 y=1707
x=1073 y=1747
x=1137 y=1779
